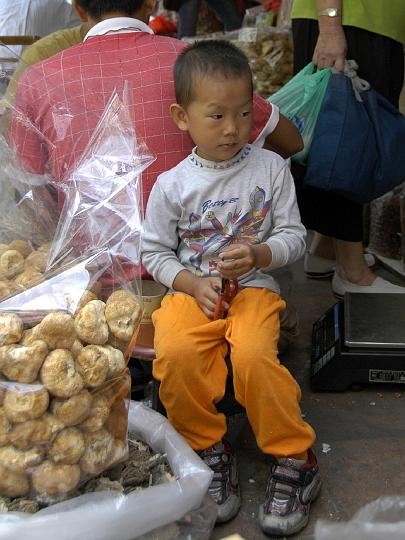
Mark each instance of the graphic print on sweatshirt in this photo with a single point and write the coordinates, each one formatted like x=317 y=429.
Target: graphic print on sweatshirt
x=216 y=236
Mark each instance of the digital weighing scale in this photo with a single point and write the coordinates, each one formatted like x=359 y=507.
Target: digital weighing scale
x=359 y=340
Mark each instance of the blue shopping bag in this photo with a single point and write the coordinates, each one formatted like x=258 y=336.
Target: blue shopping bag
x=300 y=101
x=358 y=148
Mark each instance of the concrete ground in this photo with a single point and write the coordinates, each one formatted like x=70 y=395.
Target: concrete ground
x=364 y=429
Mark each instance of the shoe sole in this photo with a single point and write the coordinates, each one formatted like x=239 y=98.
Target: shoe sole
x=233 y=514
x=300 y=526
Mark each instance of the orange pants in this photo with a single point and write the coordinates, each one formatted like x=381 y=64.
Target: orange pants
x=190 y=352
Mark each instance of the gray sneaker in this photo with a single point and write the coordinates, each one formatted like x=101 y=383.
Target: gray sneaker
x=224 y=488
x=291 y=487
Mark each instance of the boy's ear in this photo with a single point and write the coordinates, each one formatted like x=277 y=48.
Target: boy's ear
x=179 y=116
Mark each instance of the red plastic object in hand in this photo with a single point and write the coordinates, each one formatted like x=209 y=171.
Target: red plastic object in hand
x=228 y=292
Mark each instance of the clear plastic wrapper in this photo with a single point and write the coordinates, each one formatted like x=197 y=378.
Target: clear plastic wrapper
x=67 y=330
x=381 y=519
x=284 y=15
x=270 y=56
x=106 y=515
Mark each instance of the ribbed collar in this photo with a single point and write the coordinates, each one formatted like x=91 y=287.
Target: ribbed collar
x=201 y=163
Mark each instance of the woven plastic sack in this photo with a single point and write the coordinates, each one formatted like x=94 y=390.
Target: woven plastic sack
x=300 y=100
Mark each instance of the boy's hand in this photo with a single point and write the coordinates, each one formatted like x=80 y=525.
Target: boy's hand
x=236 y=261
x=205 y=291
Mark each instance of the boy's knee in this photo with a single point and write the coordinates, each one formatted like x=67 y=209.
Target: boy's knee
x=175 y=349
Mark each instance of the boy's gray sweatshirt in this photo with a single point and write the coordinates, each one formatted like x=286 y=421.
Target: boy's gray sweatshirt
x=200 y=208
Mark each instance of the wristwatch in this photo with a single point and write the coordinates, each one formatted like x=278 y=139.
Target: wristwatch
x=330 y=12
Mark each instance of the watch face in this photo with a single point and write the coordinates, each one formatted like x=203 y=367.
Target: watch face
x=332 y=12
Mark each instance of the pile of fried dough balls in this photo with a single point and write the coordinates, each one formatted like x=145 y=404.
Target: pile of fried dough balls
x=20 y=266
x=64 y=391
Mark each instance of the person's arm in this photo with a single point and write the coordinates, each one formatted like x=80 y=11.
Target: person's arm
x=331 y=47
x=160 y=239
x=285 y=139
x=272 y=130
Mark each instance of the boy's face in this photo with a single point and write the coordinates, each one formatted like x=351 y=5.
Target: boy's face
x=219 y=119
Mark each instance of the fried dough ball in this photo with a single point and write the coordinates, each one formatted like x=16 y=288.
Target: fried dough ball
x=21 y=363
x=5 y=288
x=22 y=246
x=29 y=337
x=116 y=361
x=118 y=343
x=74 y=410
x=99 y=413
x=76 y=348
x=91 y=325
x=11 y=328
x=13 y=484
x=67 y=447
x=11 y=263
x=123 y=312
x=60 y=375
x=28 y=277
x=117 y=422
x=57 y=330
x=55 y=479
x=118 y=388
x=92 y=364
x=20 y=460
x=3 y=248
x=34 y=432
x=36 y=261
x=44 y=248
x=25 y=402
x=98 y=452
x=87 y=296
x=5 y=428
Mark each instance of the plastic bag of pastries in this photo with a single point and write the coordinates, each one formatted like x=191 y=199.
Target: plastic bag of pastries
x=64 y=388
x=64 y=385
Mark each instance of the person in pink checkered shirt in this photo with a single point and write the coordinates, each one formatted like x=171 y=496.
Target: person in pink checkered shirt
x=64 y=96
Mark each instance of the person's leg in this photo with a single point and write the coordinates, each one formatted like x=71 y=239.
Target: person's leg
x=271 y=397
x=190 y=351
x=331 y=215
x=227 y=11
x=262 y=385
x=188 y=17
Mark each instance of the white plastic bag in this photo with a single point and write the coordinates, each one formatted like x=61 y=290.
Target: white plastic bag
x=108 y=515
x=382 y=519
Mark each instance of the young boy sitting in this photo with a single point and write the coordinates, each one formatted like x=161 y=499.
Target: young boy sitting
x=228 y=212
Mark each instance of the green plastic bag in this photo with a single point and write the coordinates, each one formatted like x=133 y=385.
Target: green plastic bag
x=300 y=101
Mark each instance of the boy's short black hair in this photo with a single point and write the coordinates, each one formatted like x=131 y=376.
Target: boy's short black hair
x=204 y=59
x=97 y=8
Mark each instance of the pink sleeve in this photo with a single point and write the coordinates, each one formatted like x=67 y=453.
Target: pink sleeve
x=265 y=119
x=26 y=138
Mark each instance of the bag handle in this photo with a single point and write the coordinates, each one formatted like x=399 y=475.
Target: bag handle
x=359 y=85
